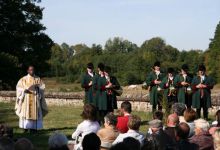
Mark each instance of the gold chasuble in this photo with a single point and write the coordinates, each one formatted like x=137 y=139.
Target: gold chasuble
x=30 y=103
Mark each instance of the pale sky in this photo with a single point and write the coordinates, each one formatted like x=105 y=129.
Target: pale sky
x=184 y=24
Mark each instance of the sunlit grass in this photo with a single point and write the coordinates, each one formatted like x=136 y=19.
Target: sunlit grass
x=62 y=118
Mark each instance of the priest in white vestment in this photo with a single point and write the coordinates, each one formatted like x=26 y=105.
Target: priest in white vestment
x=30 y=104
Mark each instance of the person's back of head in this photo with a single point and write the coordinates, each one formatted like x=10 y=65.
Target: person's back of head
x=23 y=144
x=182 y=131
x=134 y=122
x=132 y=143
x=126 y=106
x=120 y=146
x=91 y=142
x=201 y=125
x=172 y=120
x=216 y=139
x=189 y=115
x=6 y=143
x=89 y=112
x=158 y=115
x=58 y=141
x=111 y=119
x=178 y=108
x=6 y=131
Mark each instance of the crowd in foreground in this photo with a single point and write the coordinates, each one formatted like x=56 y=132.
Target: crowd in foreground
x=180 y=130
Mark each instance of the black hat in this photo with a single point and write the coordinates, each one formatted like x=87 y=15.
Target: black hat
x=157 y=63
x=101 y=66
x=202 y=68
x=170 y=70
x=90 y=65
x=185 y=67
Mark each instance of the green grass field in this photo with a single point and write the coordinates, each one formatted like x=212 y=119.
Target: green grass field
x=63 y=119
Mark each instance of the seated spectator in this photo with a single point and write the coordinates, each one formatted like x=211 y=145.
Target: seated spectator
x=179 y=108
x=190 y=116
x=159 y=138
x=125 y=111
x=58 y=141
x=172 y=122
x=6 y=131
x=120 y=146
x=128 y=143
x=182 y=133
x=158 y=115
x=216 y=139
x=89 y=125
x=202 y=138
x=6 y=143
x=134 y=123
x=91 y=142
x=132 y=143
x=109 y=133
x=23 y=144
x=216 y=123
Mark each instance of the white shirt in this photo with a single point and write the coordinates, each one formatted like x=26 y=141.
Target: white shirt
x=85 y=128
x=131 y=133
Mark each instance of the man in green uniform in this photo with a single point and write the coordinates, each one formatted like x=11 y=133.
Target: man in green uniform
x=87 y=83
x=202 y=85
x=183 y=84
x=100 y=85
x=167 y=85
x=153 y=81
x=111 y=91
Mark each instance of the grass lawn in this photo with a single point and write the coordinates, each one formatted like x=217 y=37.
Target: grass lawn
x=63 y=119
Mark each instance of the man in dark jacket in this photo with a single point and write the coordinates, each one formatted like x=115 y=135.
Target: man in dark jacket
x=182 y=132
x=161 y=140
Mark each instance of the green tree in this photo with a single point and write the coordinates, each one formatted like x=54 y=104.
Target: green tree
x=118 y=44
x=21 y=33
x=213 y=55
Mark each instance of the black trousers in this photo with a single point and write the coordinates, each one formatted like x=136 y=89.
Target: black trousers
x=204 y=107
x=188 y=100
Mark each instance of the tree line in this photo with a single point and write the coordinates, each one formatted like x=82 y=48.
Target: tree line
x=23 y=43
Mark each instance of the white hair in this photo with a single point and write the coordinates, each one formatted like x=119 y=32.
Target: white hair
x=57 y=140
x=202 y=124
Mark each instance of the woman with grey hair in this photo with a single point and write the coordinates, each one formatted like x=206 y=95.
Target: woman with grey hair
x=202 y=138
x=109 y=133
x=58 y=141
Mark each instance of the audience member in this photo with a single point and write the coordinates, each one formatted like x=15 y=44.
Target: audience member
x=6 y=143
x=58 y=141
x=91 y=142
x=133 y=125
x=182 y=133
x=109 y=133
x=23 y=144
x=120 y=146
x=190 y=116
x=172 y=122
x=179 y=108
x=159 y=137
x=216 y=123
x=216 y=139
x=125 y=112
x=158 y=115
x=89 y=125
x=6 y=131
x=202 y=138
x=132 y=143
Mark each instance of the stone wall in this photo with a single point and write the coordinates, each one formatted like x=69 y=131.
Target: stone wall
x=139 y=103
